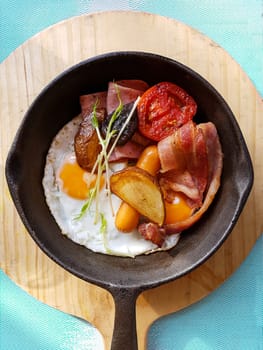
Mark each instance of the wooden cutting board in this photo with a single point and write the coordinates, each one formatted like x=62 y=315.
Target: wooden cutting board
x=30 y=67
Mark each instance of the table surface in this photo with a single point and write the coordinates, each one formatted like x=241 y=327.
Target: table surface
x=231 y=316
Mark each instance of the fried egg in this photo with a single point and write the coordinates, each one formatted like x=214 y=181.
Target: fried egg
x=66 y=187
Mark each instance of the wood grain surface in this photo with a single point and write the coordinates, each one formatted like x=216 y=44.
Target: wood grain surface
x=30 y=67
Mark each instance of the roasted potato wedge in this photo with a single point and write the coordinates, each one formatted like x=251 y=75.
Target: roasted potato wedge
x=139 y=189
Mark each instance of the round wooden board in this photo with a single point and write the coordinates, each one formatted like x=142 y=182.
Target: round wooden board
x=29 y=68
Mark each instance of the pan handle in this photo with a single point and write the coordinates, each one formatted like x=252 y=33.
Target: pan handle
x=124 y=331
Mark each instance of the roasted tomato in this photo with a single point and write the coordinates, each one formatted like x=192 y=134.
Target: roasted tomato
x=163 y=108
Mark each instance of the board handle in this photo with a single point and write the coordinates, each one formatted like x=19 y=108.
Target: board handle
x=124 y=331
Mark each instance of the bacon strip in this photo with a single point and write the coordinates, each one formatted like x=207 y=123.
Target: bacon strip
x=174 y=181
x=215 y=161
x=131 y=150
x=128 y=91
x=87 y=102
x=152 y=232
x=134 y=84
x=184 y=162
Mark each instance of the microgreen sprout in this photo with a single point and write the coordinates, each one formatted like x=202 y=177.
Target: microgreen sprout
x=124 y=126
x=103 y=158
x=102 y=163
x=103 y=227
x=86 y=206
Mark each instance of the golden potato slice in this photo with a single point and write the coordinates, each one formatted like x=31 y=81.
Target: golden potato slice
x=139 y=189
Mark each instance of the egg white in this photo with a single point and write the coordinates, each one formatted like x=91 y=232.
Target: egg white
x=84 y=230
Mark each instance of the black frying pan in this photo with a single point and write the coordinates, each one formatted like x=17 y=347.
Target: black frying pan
x=125 y=278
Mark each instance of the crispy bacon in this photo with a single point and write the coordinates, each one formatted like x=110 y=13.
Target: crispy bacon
x=131 y=150
x=174 y=181
x=152 y=232
x=215 y=165
x=136 y=84
x=128 y=91
x=87 y=102
x=184 y=162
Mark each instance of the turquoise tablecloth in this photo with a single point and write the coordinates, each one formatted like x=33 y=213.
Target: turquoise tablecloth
x=231 y=317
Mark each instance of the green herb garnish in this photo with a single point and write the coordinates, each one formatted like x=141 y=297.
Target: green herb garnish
x=103 y=227
x=102 y=163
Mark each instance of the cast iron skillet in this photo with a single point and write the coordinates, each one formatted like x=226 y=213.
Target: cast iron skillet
x=125 y=278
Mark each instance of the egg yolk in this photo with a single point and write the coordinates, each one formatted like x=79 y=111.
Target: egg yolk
x=76 y=182
x=178 y=210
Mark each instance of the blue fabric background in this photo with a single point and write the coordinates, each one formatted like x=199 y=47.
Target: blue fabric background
x=231 y=317
x=236 y=25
